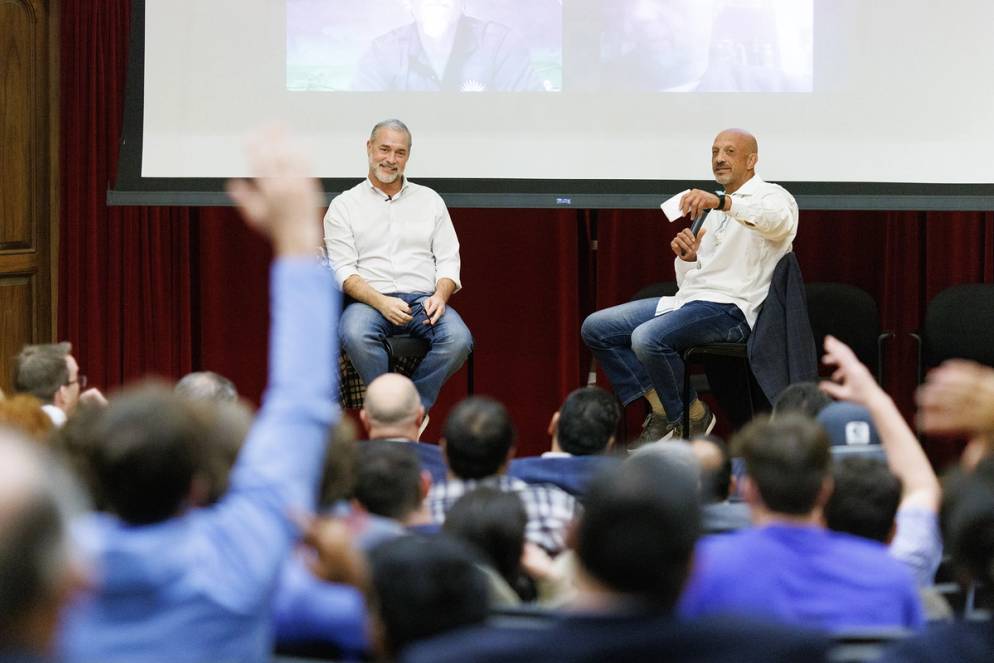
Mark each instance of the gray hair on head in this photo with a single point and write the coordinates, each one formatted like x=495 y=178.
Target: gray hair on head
x=207 y=386
x=676 y=452
x=394 y=124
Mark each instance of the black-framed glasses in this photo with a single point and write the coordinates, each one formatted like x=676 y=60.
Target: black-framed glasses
x=80 y=380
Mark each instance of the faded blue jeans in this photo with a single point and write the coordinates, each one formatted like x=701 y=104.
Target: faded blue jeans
x=362 y=330
x=640 y=351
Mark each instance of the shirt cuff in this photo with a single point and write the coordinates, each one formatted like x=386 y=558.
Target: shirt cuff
x=342 y=275
x=452 y=277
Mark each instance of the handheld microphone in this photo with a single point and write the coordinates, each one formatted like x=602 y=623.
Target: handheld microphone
x=695 y=227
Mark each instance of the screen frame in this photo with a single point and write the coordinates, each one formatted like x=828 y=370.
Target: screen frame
x=132 y=189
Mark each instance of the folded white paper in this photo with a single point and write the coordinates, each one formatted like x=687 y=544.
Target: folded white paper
x=671 y=208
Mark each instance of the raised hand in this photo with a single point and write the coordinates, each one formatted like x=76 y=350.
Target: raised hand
x=852 y=381
x=957 y=397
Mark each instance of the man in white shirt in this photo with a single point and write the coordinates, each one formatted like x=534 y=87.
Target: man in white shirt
x=723 y=273
x=395 y=253
x=50 y=373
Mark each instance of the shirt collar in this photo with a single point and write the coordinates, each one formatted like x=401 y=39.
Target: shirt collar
x=375 y=189
x=556 y=454
x=55 y=413
x=750 y=186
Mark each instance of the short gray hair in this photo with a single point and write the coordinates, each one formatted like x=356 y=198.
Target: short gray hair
x=41 y=370
x=676 y=452
x=207 y=386
x=394 y=124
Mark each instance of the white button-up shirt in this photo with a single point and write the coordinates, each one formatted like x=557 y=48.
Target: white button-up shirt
x=740 y=250
x=403 y=243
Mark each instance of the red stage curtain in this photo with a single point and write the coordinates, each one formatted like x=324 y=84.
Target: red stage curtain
x=124 y=274
x=169 y=290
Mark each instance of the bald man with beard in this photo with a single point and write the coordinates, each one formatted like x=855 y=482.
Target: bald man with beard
x=723 y=273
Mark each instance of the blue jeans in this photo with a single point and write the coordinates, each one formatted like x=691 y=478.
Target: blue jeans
x=362 y=330
x=639 y=351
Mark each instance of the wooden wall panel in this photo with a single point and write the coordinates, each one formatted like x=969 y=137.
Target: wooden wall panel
x=17 y=46
x=28 y=219
x=17 y=299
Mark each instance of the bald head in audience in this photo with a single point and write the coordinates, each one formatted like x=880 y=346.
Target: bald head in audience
x=207 y=386
x=392 y=409
x=37 y=576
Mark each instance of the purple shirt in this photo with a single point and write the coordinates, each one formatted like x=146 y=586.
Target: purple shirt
x=802 y=575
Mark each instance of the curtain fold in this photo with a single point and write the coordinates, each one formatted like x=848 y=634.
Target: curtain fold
x=124 y=273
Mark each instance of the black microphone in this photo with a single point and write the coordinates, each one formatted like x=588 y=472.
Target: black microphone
x=695 y=227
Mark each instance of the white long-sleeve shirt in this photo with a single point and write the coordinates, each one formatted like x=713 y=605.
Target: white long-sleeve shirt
x=403 y=243
x=740 y=250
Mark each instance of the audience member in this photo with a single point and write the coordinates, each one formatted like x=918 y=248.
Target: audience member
x=677 y=453
x=849 y=425
x=492 y=523
x=478 y=442
x=801 y=397
x=51 y=374
x=958 y=398
x=789 y=567
x=76 y=445
x=391 y=484
x=422 y=587
x=194 y=585
x=207 y=386
x=392 y=411
x=635 y=544
x=898 y=507
x=582 y=432
x=24 y=413
x=338 y=468
x=338 y=491
x=719 y=513
x=968 y=522
x=228 y=424
x=38 y=573
x=229 y=420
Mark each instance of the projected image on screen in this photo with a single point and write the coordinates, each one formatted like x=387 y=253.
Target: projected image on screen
x=424 y=45
x=706 y=45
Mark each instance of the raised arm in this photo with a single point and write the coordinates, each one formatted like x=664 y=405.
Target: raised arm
x=773 y=214
x=249 y=532
x=853 y=382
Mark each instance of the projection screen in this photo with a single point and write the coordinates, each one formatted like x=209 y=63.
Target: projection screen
x=583 y=103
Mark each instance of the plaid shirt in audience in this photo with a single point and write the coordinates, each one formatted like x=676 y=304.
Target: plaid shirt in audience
x=550 y=509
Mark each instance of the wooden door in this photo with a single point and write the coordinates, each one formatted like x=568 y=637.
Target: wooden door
x=28 y=175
